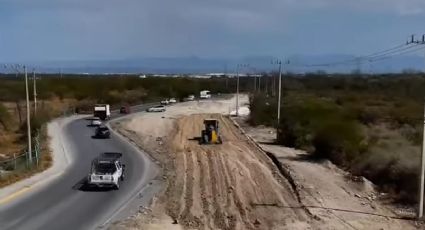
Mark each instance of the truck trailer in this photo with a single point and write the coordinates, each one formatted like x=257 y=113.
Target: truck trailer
x=102 y=111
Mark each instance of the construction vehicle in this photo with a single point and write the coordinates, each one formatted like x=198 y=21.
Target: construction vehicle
x=210 y=135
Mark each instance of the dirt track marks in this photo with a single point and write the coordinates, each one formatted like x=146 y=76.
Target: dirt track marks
x=229 y=186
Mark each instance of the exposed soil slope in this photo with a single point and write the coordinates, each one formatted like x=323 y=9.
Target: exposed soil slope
x=228 y=186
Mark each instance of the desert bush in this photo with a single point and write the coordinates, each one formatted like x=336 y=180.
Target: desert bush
x=5 y=117
x=338 y=140
x=42 y=117
x=263 y=110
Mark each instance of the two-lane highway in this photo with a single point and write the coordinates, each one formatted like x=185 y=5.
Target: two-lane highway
x=64 y=203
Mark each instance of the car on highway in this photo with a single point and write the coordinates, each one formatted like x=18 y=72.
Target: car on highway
x=158 y=108
x=172 y=100
x=95 y=121
x=125 y=110
x=106 y=171
x=102 y=132
x=190 y=98
x=165 y=102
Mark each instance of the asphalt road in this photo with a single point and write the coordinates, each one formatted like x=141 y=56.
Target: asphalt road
x=65 y=203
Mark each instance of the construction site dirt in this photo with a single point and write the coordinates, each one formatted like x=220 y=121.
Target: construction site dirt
x=233 y=185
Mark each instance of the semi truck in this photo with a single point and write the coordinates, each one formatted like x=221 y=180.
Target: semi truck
x=102 y=111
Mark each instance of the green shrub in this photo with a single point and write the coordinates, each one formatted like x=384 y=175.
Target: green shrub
x=338 y=140
x=263 y=110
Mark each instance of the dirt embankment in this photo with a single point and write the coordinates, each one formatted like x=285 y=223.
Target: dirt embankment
x=237 y=186
x=335 y=197
x=228 y=186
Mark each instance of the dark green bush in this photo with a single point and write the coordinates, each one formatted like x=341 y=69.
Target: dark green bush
x=263 y=110
x=338 y=140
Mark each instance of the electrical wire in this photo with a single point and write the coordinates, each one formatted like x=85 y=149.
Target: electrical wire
x=376 y=55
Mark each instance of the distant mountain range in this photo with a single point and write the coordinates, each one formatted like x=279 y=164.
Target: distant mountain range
x=196 y=65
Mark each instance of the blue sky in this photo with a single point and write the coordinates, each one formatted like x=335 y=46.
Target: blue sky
x=48 y=30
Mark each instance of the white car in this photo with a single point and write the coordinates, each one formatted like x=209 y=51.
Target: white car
x=172 y=100
x=95 y=121
x=190 y=98
x=165 y=102
x=158 y=108
x=106 y=171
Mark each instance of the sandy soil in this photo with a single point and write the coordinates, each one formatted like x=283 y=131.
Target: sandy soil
x=236 y=186
x=332 y=195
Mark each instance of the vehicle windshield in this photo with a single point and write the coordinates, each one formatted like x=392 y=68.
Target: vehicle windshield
x=103 y=129
x=159 y=106
x=104 y=168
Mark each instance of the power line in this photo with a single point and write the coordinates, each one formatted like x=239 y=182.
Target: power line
x=378 y=54
x=391 y=56
x=396 y=52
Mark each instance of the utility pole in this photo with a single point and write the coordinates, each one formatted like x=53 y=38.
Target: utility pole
x=35 y=91
x=237 y=86
x=279 y=100
x=28 y=118
x=422 y=178
x=253 y=70
x=279 y=62
x=259 y=83
x=255 y=83
x=422 y=172
x=16 y=68
x=237 y=90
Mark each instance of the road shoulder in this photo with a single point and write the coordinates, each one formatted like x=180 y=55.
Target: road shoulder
x=61 y=155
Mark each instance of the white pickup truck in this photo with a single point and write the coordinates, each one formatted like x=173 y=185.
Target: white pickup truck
x=107 y=171
x=205 y=94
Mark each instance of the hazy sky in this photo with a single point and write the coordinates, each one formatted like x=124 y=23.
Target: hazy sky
x=41 y=30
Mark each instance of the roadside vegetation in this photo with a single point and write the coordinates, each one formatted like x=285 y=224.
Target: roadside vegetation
x=58 y=96
x=371 y=126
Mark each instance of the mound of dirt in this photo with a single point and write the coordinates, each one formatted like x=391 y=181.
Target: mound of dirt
x=228 y=186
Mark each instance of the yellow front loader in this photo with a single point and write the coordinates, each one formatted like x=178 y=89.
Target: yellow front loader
x=210 y=135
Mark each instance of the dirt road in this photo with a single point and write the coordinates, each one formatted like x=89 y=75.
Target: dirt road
x=235 y=185
x=228 y=186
